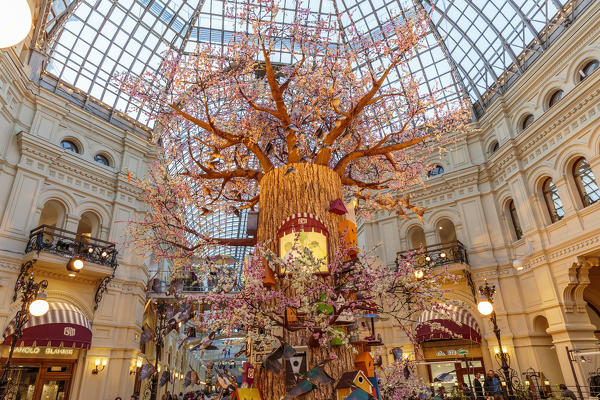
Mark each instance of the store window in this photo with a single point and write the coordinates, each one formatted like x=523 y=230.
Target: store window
x=553 y=202
x=586 y=182
x=43 y=379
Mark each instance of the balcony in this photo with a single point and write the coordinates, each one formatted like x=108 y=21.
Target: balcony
x=162 y=289
x=437 y=254
x=53 y=240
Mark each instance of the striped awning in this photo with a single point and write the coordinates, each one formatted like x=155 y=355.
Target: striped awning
x=451 y=322
x=64 y=325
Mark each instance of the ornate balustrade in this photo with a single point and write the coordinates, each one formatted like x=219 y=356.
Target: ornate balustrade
x=437 y=254
x=58 y=241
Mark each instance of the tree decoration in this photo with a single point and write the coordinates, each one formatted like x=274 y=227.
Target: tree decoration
x=240 y=131
x=400 y=382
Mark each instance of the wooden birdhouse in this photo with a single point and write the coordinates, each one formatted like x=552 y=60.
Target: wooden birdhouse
x=294 y=367
x=336 y=341
x=269 y=276
x=350 y=380
x=246 y=394
x=347 y=228
x=365 y=363
x=291 y=315
x=337 y=207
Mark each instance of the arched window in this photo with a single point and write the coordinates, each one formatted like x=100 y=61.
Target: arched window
x=101 y=159
x=494 y=147
x=437 y=170
x=587 y=69
x=68 y=145
x=555 y=97
x=446 y=231
x=526 y=121
x=416 y=237
x=514 y=218
x=586 y=182
x=553 y=202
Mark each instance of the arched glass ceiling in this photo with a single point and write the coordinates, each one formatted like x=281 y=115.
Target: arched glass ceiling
x=475 y=48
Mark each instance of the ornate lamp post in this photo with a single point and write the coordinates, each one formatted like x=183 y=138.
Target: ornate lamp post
x=159 y=332
x=486 y=307
x=33 y=302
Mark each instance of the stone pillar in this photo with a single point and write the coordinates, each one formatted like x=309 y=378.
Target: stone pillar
x=71 y=222
x=575 y=330
x=566 y=195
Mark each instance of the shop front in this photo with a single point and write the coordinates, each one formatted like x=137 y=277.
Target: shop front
x=45 y=357
x=450 y=343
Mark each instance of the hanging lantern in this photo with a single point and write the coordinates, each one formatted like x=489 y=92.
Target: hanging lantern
x=15 y=22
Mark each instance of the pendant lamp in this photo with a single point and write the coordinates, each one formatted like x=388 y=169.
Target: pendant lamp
x=15 y=22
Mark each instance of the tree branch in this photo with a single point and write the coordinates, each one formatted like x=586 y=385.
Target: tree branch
x=324 y=154
x=264 y=161
x=340 y=168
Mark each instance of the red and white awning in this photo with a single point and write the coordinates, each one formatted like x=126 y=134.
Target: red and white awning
x=452 y=322
x=63 y=325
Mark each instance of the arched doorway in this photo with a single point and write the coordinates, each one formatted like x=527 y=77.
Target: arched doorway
x=446 y=231
x=53 y=214
x=544 y=351
x=416 y=237
x=88 y=227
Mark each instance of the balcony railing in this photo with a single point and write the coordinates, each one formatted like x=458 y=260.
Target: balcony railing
x=437 y=254
x=51 y=239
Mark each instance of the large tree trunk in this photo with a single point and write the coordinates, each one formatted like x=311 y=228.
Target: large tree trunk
x=307 y=188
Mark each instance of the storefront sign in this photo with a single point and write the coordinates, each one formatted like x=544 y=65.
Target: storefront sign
x=40 y=351
x=451 y=352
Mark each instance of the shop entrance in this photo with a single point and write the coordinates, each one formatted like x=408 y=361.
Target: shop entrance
x=451 y=362
x=41 y=379
x=449 y=373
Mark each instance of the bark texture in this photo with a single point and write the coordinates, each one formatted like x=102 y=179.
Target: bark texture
x=284 y=191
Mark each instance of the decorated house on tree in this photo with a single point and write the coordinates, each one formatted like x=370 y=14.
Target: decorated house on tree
x=292 y=141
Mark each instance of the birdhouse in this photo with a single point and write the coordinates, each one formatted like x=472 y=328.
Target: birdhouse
x=350 y=380
x=246 y=394
x=268 y=276
x=337 y=207
x=294 y=367
x=348 y=231
x=375 y=384
x=323 y=307
x=248 y=375
x=337 y=341
x=365 y=363
x=291 y=315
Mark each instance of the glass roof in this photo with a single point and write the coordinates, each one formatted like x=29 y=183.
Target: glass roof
x=474 y=47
